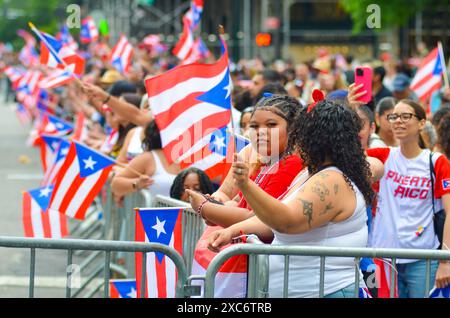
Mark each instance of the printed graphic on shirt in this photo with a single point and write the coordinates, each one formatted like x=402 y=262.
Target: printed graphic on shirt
x=446 y=184
x=413 y=187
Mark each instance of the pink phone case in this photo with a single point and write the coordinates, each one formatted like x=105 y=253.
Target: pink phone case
x=363 y=75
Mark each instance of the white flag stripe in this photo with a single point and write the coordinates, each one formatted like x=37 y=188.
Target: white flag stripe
x=422 y=90
x=208 y=161
x=68 y=178
x=36 y=220
x=164 y=100
x=171 y=282
x=191 y=116
x=82 y=193
x=126 y=54
x=55 y=225
x=423 y=72
x=187 y=46
x=197 y=146
x=119 y=49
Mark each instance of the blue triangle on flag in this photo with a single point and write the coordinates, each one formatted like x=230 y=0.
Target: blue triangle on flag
x=220 y=95
x=60 y=124
x=56 y=45
x=52 y=142
x=219 y=141
x=42 y=196
x=157 y=221
x=117 y=63
x=438 y=66
x=63 y=150
x=126 y=289
x=90 y=161
x=241 y=142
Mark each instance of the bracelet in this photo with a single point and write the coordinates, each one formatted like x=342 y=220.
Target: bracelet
x=200 y=208
x=107 y=99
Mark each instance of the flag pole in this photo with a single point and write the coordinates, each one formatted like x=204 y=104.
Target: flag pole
x=221 y=30
x=39 y=35
x=444 y=66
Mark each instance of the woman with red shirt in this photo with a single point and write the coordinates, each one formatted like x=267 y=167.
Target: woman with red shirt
x=274 y=166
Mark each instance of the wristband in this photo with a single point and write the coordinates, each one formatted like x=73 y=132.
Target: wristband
x=200 y=208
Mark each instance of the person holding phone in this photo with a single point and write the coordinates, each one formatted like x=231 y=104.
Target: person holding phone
x=379 y=91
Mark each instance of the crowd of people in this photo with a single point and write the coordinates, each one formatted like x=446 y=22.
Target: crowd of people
x=331 y=171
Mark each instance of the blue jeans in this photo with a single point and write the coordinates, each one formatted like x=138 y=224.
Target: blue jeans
x=346 y=292
x=412 y=279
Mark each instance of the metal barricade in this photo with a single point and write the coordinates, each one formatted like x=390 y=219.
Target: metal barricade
x=254 y=250
x=107 y=247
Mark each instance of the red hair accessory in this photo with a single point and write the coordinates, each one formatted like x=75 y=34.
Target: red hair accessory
x=317 y=96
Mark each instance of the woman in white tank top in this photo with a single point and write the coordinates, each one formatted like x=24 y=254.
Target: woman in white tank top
x=325 y=206
x=156 y=174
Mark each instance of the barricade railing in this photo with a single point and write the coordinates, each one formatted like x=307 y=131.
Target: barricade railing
x=108 y=247
x=256 y=270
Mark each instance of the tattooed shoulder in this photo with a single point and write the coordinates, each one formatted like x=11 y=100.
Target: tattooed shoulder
x=307 y=210
x=320 y=189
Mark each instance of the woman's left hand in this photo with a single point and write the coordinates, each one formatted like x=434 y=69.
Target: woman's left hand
x=443 y=275
x=240 y=171
x=195 y=198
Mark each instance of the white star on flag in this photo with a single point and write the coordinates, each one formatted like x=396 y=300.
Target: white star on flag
x=59 y=125
x=219 y=143
x=89 y=163
x=159 y=227
x=45 y=192
x=228 y=89
x=55 y=145
x=132 y=293
x=65 y=151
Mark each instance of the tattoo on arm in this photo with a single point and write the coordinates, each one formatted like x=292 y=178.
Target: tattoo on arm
x=323 y=175
x=321 y=190
x=307 y=210
x=336 y=188
x=328 y=207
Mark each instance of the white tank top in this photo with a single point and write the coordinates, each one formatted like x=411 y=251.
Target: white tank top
x=163 y=179
x=135 y=145
x=304 y=271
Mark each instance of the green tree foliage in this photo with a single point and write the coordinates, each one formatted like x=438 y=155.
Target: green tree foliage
x=15 y=15
x=392 y=12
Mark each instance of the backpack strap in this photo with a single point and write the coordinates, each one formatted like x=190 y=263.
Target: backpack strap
x=432 y=179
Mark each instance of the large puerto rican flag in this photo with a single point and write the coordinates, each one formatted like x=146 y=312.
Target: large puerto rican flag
x=189 y=103
x=158 y=225
x=37 y=220
x=80 y=179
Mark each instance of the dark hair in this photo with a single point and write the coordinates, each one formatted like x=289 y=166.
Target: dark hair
x=444 y=135
x=271 y=76
x=248 y=110
x=421 y=115
x=330 y=132
x=121 y=87
x=439 y=114
x=379 y=70
x=285 y=106
x=274 y=88
x=177 y=189
x=368 y=113
x=152 y=138
x=385 y=104
x=135 y=100
x=242 y=100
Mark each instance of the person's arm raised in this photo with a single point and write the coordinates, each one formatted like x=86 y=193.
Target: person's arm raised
x=122 y=108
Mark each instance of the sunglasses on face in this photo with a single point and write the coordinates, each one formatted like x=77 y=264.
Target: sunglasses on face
x=404 y=117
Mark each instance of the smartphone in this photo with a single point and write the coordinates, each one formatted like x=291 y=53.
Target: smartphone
x=212 y=200
x=363 y=75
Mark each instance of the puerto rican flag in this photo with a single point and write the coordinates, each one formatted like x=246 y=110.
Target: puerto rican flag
x=28 y=84
x=193 y=16
x=428 y=76
x=81 y=131
x=23 y=114
x=217 y=156
x=190 y=102
x=80 y=179
x=440 y=292
x=55 y=79
x=49 y=145
x=122 y=288
x=38 y=222
x=185 y=45
x=14 y=74
x=231 y=279
x=198 y=52
x=89 y=31
x=53 y=169
x=52 y=125
x=122 y=54
x=158 y=225
x=66 y=38
x=55 y=54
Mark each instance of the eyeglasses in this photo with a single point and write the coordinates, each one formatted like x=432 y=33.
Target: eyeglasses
x=404 y=117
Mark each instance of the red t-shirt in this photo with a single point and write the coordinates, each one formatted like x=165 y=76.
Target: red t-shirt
x=275 y=179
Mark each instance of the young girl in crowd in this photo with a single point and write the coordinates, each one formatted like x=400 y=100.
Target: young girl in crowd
x=404 y=217
x=276 y=168
x=384 y=136
x=324 y=206
x=190 y=179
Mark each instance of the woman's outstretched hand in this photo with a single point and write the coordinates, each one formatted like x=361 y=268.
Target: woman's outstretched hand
x=240 y=171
